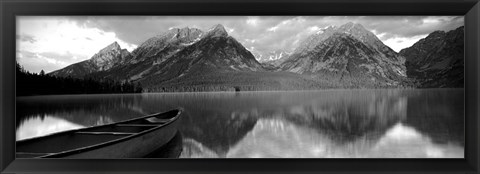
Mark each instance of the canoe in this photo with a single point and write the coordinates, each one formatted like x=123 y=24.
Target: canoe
x=132 y=138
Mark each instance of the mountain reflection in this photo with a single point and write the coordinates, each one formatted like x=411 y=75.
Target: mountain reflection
x=346 y=120
x=324 y=124
x=38 y=126
x=42 y=115
x=85 y=110
x=272 y=138
x=438 y=115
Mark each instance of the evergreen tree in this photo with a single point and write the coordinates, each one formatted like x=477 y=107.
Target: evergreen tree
x=42 y=84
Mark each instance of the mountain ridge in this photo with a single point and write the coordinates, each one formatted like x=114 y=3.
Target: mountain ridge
x=189 y=59
x=437 y=60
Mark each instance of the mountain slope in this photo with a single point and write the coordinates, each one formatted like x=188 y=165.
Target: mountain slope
x=349 y=54
x=437 y=60
x=152 y=52
x=107 y=58
x=168 y=43
x=214 y=53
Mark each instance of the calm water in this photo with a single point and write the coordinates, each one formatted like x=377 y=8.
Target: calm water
x=311 y=124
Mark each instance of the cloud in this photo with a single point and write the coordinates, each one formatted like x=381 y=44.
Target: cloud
x=26 y=38
x=136 y=29
x=273 y=29
x=35 y=62
x=411 y=26
x=313 y=28
x=252 y=21
x=229 y=30
x=399 y=43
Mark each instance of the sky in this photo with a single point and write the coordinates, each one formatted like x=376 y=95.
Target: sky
x=53 y=42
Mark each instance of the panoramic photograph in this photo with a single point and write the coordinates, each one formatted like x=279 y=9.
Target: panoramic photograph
x=240 y=87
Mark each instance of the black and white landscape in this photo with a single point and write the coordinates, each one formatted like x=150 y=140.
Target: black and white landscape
x=347 y=56
x=339 y=91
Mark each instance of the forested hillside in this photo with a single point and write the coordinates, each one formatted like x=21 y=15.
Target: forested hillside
x=28 y=84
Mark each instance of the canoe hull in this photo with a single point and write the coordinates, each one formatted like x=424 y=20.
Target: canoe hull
x=133 y=138
x=136 y=147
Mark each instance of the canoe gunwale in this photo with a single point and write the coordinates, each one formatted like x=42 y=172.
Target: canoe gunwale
x=107 y=143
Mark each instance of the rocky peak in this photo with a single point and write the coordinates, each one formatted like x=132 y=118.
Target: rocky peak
x=109 y=56
x=352 y=26
x=328 y=29
x=218 y=31
x=186 y=32
x=437 y=34
x=167 y=43
x=355 y=30
x=112 y=47
x=348 y=25
x=359 y=32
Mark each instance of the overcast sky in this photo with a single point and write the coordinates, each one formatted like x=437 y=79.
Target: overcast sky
x=52 y=42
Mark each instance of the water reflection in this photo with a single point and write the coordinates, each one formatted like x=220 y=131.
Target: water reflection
x=331 y=123
x=195 y=149
x=283 y=139
x=82 y=110
x=438 y=114
x=406 y=142
x=43 y=125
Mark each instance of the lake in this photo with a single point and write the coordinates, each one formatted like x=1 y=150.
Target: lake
x=386 y=123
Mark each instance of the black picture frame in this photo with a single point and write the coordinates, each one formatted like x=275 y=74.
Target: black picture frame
x=10 y=8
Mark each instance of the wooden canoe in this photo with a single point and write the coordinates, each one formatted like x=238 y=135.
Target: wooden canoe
x=132 y=138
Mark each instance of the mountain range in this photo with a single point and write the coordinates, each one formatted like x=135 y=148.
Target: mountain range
x=348 y=56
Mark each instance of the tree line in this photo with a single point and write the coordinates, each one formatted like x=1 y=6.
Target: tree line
x=268 y=81
x=28 y=84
